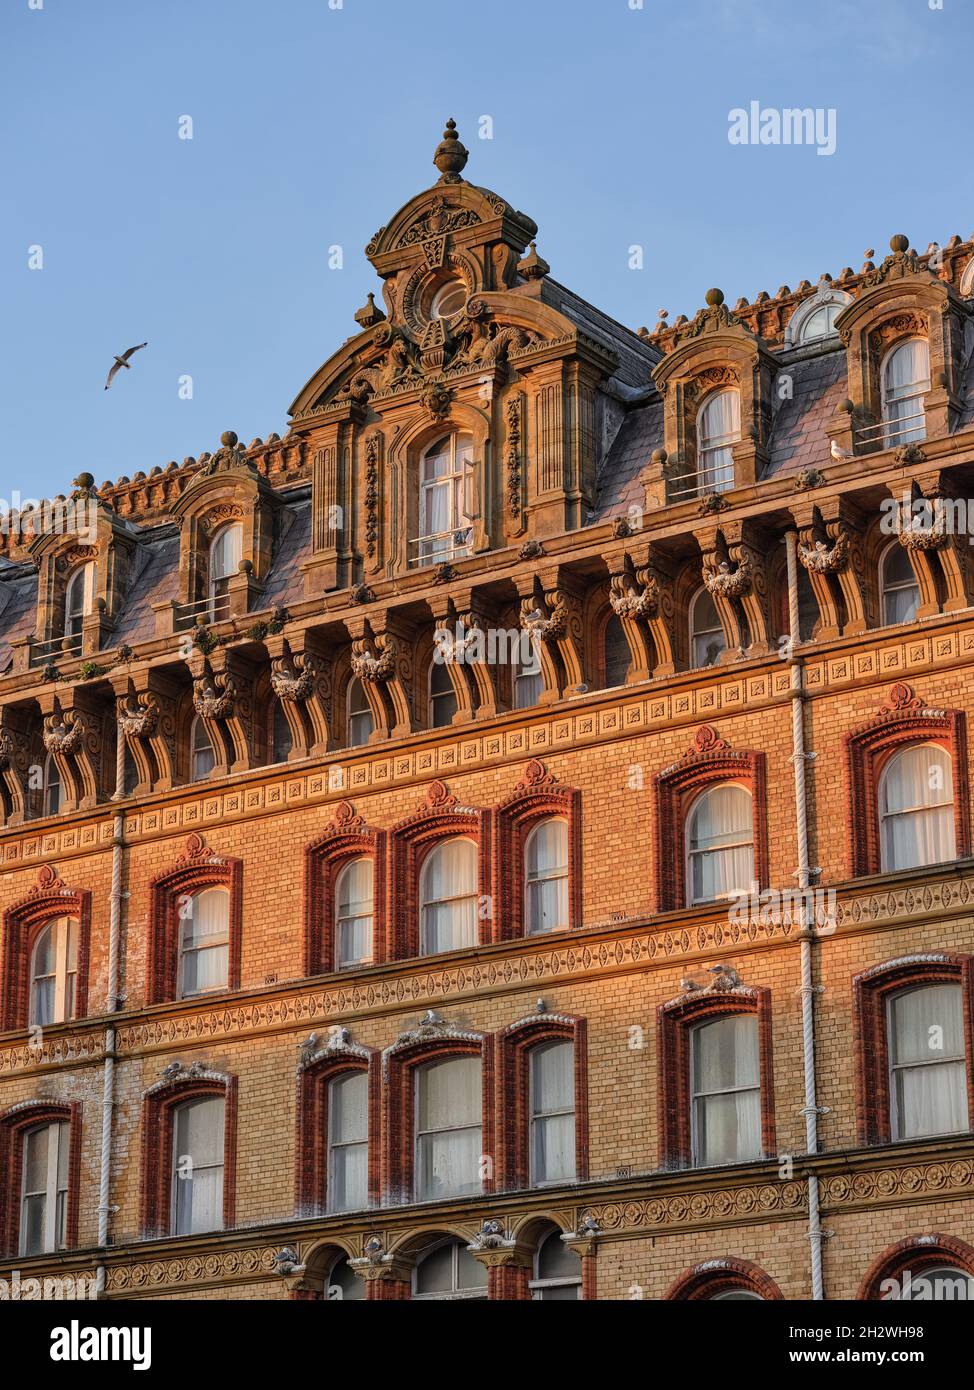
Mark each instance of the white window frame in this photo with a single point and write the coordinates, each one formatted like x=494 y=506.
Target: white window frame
x=212 y=944
x=558 y=873
x=536 y=1116
x=426 y=903
x=352 y=714
x=441 y=697
x=936 y=1060
x=915 y=392
x=420 y=1134
x=197 y=1167
x=538 y=1286
x=52 y=785
x=197 y=732
x=64 y=928
x=454 y=541
x=341 y=917
x=697 y=1096
x=55 y=1196
x=83 y=582
x=736 y=844
x=335 y=1144
x=527 y=675
x=716 y=477
x=885 y=817
x=218 y=583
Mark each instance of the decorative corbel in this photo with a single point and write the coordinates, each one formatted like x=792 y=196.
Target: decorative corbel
x=73 y=737
x=15 y=760
x=302 y=683
x=551 y=613
x=146 y=708
x=735 y=574
x=949 y=537
x=641 y=595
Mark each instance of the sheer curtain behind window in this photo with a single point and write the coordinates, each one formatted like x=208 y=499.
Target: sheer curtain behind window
x=916 y=807
x=553 y=1112
x=353 y=913
x=726 y=1091
x=720 y=845
x=348 y=1142
x=901 y=592
x=204 y=954
x=928 y=1065
x=707 y=639
x=718 y=427
x=448 y=1128
x=198 y=1183
x=906 y=380
x=546 y=876
x=448 y=897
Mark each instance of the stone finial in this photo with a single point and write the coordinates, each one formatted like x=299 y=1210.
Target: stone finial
x=450 y=157
x=899 y=243
x=370 y=314
x=533 y=266
x=229 y=439
x=714 y=298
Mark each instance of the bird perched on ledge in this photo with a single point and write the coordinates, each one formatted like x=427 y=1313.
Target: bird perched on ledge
x=123 y=361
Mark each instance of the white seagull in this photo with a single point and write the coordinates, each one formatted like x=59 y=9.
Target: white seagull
x=123 y=361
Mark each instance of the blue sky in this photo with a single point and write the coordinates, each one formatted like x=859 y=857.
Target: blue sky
x=313 y=122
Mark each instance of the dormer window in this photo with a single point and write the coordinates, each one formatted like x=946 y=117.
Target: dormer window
x=821 y=324
x=906 y=380
x=718 y=428
x=445 y=526
x=226 y=552
x=79 y=598
x=448 y=300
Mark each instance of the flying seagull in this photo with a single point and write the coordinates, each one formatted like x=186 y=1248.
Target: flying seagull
x=123 y=361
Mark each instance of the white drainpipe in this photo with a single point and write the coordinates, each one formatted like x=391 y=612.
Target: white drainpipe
x=811 y=1109
x=111 y=1003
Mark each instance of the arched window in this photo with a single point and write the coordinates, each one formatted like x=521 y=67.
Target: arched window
x=281 y=740
x=226 y=552
x=201 y=756
x=552 y=1100
x=819 y=325
x=927 y=1061
x=52 y=797
x=353 y=913
x=348 y=1142
x=197 y=1166
x=449 y=1134
x=528 y=681
x=442 y=696
x=726 y=1091
x=204 y=942
x=343 y=1283
x=916 y=808
x=615 y=653
x=444 y=519
x=44 y=1189
x=448 y=300
x=546 y=876
x=737 y=1296
x=450 y=1272
x=901 y=592
x=718 y=428
x=557 y=1271
x=707 y=639
x=54 y=973
x=906 y=380
x=79 y=598
x=360 y=721
x=448 y=897
x=720 y=844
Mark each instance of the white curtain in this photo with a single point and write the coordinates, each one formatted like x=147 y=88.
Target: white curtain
x=917 y=808
x=354 y=912
x=226 y=552
x=448 y=896
x=720 y=847
x=546 y=876
x=726 y=1091
x=928 y=1062
x=448 y=1128
x=906 y=378
x=718 y=426
x=205 y=954
x=348 y=1140
x=360 y=720
x=553 y=1112
x=198 y=1184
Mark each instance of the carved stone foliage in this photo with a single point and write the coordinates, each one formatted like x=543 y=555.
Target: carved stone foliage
x=214 y=695
x=727 y=580
x=373 y=451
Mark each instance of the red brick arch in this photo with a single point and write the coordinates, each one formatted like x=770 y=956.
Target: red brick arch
x=22 y=924
x=916 y=1254
x=712 y=1277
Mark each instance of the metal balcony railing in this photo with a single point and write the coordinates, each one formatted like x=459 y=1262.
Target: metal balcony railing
x=887 y=432
x=213 y=610
x=440 y=546
x=701 y=483
x=41 y=653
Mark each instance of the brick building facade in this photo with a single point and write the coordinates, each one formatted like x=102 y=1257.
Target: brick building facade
x=332 y=967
